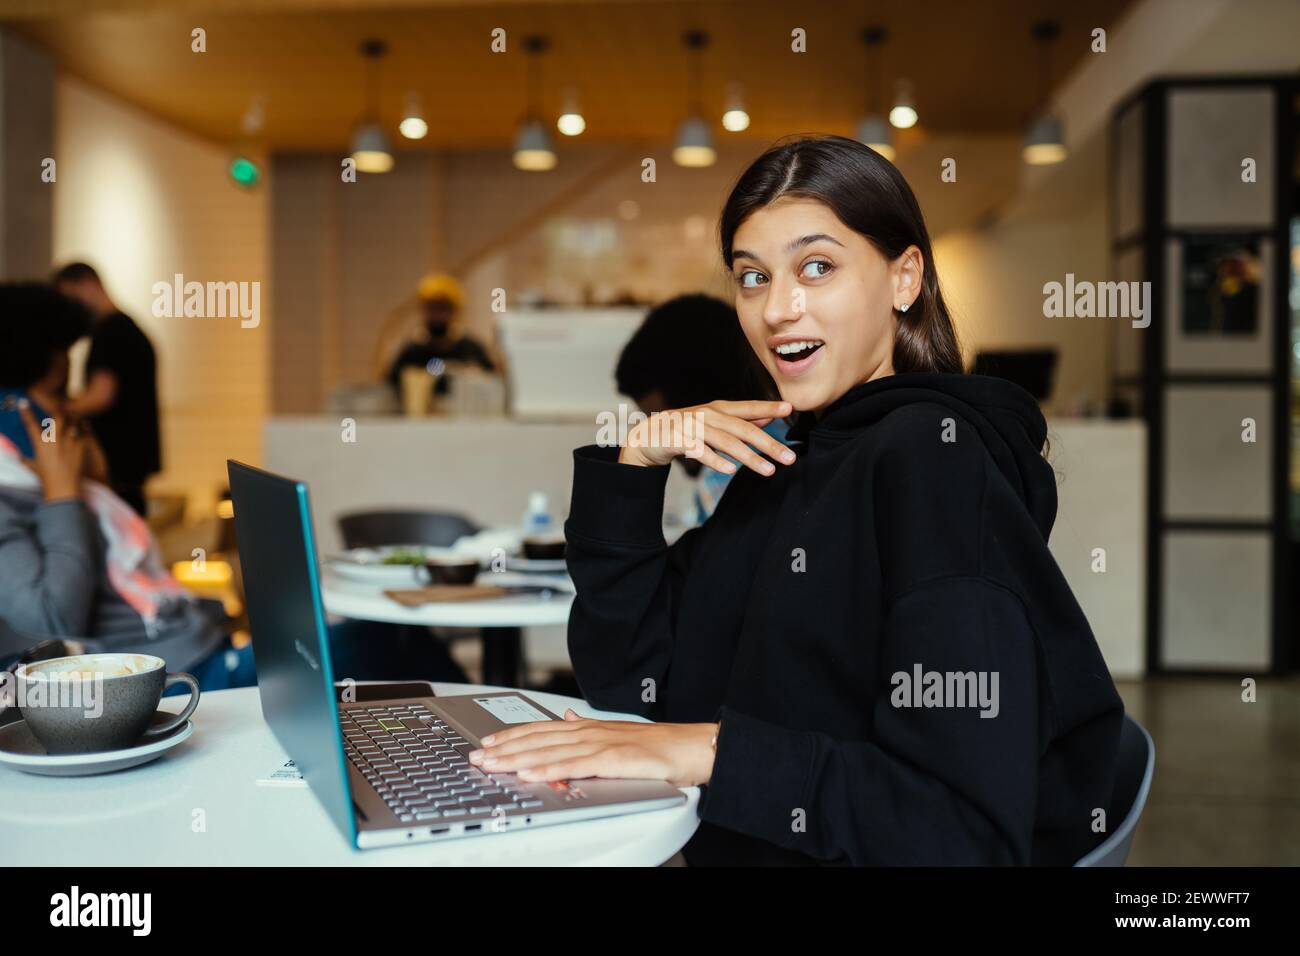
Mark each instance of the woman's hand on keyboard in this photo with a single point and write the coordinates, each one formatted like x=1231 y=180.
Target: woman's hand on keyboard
x=576 y=747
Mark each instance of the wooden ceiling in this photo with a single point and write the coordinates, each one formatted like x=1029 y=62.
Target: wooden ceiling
x=973 y=65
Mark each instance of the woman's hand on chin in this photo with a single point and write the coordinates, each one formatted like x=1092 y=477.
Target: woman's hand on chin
x=708 y=432
x=576 y=747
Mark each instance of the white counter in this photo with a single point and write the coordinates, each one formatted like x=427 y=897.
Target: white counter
x=1101 y=480
x=483 y=468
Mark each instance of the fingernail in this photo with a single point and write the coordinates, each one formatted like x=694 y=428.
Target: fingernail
x=787 y=456
x=491 y=762
x=768 y=468
x=489 y=738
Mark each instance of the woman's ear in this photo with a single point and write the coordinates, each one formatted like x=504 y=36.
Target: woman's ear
x=908 y=270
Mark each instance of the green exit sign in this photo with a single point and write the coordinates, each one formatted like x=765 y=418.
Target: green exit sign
x=244 y=172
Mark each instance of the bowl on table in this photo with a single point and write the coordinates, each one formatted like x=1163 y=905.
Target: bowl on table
x=544 y=548
x=450 y=569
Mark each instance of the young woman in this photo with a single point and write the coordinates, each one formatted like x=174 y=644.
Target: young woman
x=867 y=655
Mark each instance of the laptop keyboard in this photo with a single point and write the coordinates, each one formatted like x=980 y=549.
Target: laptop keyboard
x=419 y=766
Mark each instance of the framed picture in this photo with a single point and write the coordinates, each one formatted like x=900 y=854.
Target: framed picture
x=1219 y=308
x=1221 y=285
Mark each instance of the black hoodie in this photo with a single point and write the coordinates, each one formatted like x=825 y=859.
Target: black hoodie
x=841 y=619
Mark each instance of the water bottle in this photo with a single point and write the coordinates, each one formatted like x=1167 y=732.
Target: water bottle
x=537 y=518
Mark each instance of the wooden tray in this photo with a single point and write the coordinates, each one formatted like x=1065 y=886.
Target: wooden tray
x=444 y=593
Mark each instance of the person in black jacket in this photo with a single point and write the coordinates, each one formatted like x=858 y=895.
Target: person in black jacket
x=120 y=397
x=868 y=654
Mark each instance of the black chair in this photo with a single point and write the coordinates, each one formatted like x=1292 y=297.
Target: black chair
x=375 y=529
x=503 y=658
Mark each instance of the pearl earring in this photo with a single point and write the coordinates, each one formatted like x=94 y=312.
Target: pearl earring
x=903 y=307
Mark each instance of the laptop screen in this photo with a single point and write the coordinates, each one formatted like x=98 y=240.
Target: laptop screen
x=277 y=555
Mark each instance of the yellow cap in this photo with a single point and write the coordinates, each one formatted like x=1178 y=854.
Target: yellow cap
x=439 y=285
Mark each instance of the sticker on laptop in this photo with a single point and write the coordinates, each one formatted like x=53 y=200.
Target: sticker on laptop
x=511 y=710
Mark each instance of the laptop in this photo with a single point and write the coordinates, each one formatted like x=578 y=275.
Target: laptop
x=394 y=771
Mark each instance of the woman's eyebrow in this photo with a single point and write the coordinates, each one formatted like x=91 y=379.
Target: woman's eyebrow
x=809 y=240
x=791 y=246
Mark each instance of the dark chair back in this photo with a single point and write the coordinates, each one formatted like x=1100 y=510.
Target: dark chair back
x=374 y=529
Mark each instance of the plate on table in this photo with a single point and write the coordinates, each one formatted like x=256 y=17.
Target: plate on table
x=399 y=566
x=22 y=751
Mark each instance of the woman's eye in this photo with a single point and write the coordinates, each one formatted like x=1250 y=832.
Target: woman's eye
x=749 y=279
x=815 y=269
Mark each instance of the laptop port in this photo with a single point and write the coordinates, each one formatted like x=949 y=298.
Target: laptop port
x=438 y=831
x=471 y=827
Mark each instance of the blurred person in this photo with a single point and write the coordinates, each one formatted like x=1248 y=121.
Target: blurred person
x=76 y=561
x=690 y=351
x=441 y=336
x=120 y=397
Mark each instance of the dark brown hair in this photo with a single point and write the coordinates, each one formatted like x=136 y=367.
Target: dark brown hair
x=871 y=197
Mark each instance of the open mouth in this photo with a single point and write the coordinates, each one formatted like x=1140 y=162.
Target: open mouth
x=796 y=353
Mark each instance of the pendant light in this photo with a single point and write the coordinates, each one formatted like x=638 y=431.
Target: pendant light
x=371 y=150
x=413 y=124
x=571 y=121
x=694 y=146
x=903 y=115
x=534 y=152
x=736 y=117
x=873 y=131
x=1045 y=140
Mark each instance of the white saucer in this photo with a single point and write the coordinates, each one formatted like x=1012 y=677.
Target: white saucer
x=537 y=565
x=20 y=750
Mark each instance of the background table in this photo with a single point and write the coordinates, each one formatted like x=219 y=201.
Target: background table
x=149 y=815
x=500 y=619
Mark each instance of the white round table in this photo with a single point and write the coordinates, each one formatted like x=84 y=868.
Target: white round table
x=367 y=602
x=199 y=805
x=499 y=619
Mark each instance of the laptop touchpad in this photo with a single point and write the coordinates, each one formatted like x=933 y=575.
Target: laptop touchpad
x=511 y=709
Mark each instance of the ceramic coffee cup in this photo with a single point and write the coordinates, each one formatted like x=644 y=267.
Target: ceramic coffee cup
x=96 y=702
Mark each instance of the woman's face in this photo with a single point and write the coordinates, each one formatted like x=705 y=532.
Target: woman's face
x=816 y=300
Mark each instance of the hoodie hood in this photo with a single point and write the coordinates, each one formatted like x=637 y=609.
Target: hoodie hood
x=1007 y=418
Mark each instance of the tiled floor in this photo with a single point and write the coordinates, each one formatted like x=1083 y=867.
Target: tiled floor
x=1226 y=790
